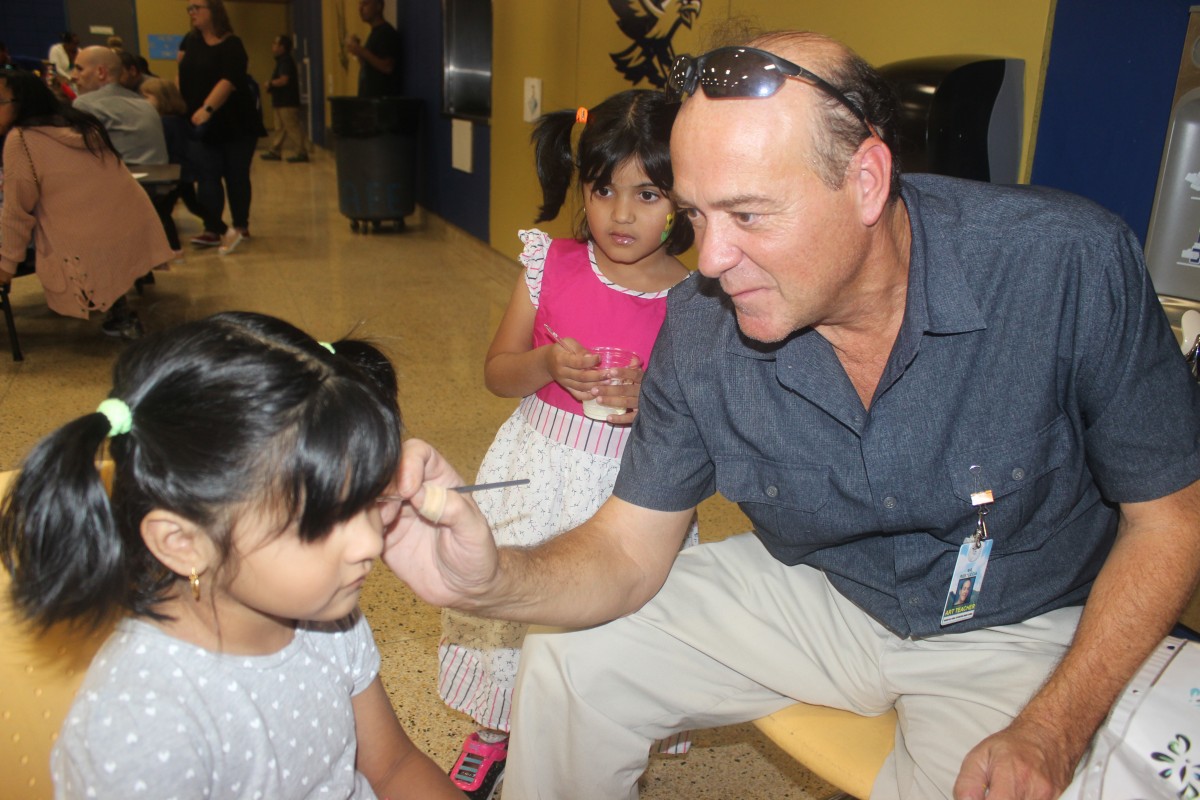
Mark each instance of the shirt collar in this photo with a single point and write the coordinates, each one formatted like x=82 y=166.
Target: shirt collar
x=939 y=300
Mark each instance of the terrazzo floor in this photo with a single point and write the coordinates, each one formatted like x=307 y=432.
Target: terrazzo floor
x=432 y=296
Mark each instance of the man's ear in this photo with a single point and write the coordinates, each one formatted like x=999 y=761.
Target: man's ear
x=180 y=544
x=874 y=175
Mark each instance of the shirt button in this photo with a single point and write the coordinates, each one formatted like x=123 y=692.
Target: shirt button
x=1018 y=474
x=889 y=502
x=772 y=491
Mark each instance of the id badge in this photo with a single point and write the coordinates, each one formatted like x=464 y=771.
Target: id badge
x=967 y=580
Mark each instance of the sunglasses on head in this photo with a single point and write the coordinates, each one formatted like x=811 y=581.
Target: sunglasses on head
x=747 y=72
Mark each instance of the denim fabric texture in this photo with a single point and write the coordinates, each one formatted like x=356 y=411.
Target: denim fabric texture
x=1033 y=349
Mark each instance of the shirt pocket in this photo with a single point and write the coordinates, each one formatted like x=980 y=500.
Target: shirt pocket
x=780 y=498
x=1020 y=473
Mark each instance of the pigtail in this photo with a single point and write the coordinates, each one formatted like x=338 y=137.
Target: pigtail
x=58 y=536
x=555 y=164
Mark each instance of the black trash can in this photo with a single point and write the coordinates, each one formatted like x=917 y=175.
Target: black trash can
x=376 y=152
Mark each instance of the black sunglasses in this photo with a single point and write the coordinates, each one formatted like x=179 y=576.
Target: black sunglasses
x=747 y=72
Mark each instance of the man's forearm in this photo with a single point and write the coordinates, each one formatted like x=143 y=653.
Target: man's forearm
x=1137 y=597
x=384 y=65
x=584 y=577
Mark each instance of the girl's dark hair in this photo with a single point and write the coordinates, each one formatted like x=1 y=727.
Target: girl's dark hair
x=37 y=106
x=285 y=42
x=633 y=124
x=235 y=412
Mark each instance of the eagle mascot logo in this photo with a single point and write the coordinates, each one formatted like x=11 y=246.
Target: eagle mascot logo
x=650 y=24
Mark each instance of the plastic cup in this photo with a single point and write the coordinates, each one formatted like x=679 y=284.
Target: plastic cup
x=610 y=357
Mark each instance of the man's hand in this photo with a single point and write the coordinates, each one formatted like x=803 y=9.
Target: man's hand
x=1017 y=763
x=446 y=562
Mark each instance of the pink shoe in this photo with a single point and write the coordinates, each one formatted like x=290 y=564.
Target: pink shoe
x=480 y=767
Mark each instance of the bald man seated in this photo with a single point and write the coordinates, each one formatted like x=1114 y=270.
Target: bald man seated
x=132 y=123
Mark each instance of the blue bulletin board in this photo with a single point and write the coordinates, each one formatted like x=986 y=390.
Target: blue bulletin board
x=164 y=46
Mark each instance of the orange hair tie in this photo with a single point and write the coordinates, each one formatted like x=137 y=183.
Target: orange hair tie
x=581 y=115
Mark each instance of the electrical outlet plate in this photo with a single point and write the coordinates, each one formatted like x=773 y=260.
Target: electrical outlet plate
x=532 y=100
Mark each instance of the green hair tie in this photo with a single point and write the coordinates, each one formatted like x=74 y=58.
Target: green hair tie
x=120 y=418
x=328 y=346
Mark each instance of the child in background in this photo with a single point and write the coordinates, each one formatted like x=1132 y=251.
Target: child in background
x=284 y=88
x=607 y=287
x=166 y=99
x=243 y=520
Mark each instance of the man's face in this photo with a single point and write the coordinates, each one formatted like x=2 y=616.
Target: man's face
x=785 y=247
x=370 y=10
x=87 y=75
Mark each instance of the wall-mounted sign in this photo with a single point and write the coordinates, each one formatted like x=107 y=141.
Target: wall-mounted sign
x=164 y=46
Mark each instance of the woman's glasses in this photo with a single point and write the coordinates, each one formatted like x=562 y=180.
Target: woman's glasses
x=747 y=72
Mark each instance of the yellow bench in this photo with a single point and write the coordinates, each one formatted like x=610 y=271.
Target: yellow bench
x=39 y=675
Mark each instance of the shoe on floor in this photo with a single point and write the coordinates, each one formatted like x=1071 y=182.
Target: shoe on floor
x=229 y=242
x=127 y=327
x=480 y=767
x=178 y=255
x=207 y=239
x=299 y=158
x=269 y=156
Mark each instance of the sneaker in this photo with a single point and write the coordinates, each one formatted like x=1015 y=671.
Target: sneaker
x=299 y=158
x=480 y=767
x=207 y=239
x=229 y=242
x=269 y=156
x=127 y=327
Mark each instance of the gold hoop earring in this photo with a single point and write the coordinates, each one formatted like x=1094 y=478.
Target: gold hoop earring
x=195 y=581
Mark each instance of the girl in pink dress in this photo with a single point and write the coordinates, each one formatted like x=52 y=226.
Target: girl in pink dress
x=607 y=287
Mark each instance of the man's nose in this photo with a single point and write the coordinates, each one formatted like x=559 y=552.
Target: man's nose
x=718 y=253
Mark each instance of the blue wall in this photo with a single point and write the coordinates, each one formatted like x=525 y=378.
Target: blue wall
x=1107 y=100
x=29 y=27
x=459 y=197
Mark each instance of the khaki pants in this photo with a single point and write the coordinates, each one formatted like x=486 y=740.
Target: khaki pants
x=289 y=127
x=735 y=635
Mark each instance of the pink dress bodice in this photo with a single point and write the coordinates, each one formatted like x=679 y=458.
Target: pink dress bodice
x=575 y=301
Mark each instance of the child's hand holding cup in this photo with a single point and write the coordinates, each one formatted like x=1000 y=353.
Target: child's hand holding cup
x=610 y=358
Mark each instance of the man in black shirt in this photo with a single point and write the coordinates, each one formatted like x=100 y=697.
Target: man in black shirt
x=380 y=58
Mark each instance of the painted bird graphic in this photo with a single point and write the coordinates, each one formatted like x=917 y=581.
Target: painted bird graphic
x=650 y=24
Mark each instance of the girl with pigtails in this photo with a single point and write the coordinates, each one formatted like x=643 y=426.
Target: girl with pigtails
x=604 y=288
x=245 y=512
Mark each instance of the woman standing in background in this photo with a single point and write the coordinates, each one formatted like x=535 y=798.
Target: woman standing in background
x=225 y=119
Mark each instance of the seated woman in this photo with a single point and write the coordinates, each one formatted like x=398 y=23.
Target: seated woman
x=165 y=97
x=93 y=228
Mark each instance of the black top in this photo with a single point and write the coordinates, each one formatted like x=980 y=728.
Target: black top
x=384 y=42
x=288 y=95
x=200 y=69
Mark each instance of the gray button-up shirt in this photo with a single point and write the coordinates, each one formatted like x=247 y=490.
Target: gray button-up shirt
x=1034 y=360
